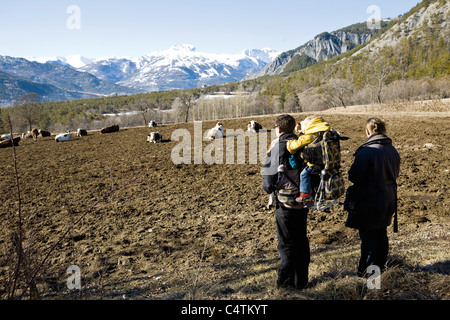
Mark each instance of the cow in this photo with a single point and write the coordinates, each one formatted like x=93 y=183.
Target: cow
x=216 y=132
x=63 y=137
x=152 y=124
x=254 y=126
x=154 y=137
x=7 y=143
x=110 y=129
x=5 y=137
x=45 y=133
x=81 y=132
x=27 y=135
x=298 y=129
x=35 y=133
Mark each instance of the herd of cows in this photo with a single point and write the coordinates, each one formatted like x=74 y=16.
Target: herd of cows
x=6 y=140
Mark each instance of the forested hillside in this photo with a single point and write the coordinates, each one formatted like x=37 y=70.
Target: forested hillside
x=413 y=52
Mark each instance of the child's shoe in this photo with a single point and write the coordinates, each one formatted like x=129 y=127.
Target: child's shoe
x=304 y=197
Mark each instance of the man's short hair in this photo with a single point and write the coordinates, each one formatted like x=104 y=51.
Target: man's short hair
x=286 y=123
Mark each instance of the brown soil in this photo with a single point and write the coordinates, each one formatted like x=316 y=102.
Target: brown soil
x=198 y=231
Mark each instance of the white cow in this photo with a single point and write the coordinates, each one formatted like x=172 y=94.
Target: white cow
x=154 y=137
x=216 y=132
x=5 y=137
x=63 y=137
x=298 y=128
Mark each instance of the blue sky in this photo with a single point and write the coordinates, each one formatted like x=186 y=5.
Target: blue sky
x=136 y=27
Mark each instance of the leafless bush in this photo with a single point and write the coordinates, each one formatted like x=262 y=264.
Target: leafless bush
x=412 y=90
x=80 y=121
x=312 y=100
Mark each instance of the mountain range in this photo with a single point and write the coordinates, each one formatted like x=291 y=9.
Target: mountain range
x=74 y=77
x=51 y=81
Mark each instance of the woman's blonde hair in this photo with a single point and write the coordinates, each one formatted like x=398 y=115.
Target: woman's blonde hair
x=376 y=126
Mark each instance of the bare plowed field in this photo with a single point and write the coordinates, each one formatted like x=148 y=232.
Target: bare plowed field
x=140 y=226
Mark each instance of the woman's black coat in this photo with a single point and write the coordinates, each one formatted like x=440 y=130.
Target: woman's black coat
x=374 y=173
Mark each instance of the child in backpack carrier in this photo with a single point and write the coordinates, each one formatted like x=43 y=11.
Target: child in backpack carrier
x=310 y=128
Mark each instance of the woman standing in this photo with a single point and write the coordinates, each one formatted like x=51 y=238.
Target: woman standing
x=372 y=200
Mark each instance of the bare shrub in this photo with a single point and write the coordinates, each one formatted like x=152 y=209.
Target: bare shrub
x=311 y=100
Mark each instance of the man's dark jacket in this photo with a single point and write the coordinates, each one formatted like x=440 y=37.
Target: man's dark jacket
x=277 y=155
x=374 y=173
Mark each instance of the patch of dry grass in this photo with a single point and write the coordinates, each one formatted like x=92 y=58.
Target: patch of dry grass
x=333 y=276
x=399 y=107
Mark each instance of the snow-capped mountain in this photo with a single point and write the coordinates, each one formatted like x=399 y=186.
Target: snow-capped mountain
x=52 y=81
x=74 y=61
x=179 y=67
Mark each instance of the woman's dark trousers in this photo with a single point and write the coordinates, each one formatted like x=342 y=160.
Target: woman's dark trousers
x=374 y=249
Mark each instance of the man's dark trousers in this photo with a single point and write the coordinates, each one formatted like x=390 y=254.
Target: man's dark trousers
x=293 y=246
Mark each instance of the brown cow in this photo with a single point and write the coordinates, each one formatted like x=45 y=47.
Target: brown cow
x=35 y=133
x=113 y=128
x=27 y=135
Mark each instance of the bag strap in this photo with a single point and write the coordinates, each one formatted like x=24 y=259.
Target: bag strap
x=293 y=182
x=395 y=213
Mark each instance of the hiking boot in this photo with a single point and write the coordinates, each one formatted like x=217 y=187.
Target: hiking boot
x=304 y=197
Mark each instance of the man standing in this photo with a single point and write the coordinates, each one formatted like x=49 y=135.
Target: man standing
x=293 y=243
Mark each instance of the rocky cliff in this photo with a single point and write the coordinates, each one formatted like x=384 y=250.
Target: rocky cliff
x=324 y=46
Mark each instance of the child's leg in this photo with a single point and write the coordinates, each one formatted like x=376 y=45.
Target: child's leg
x=305 y=180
